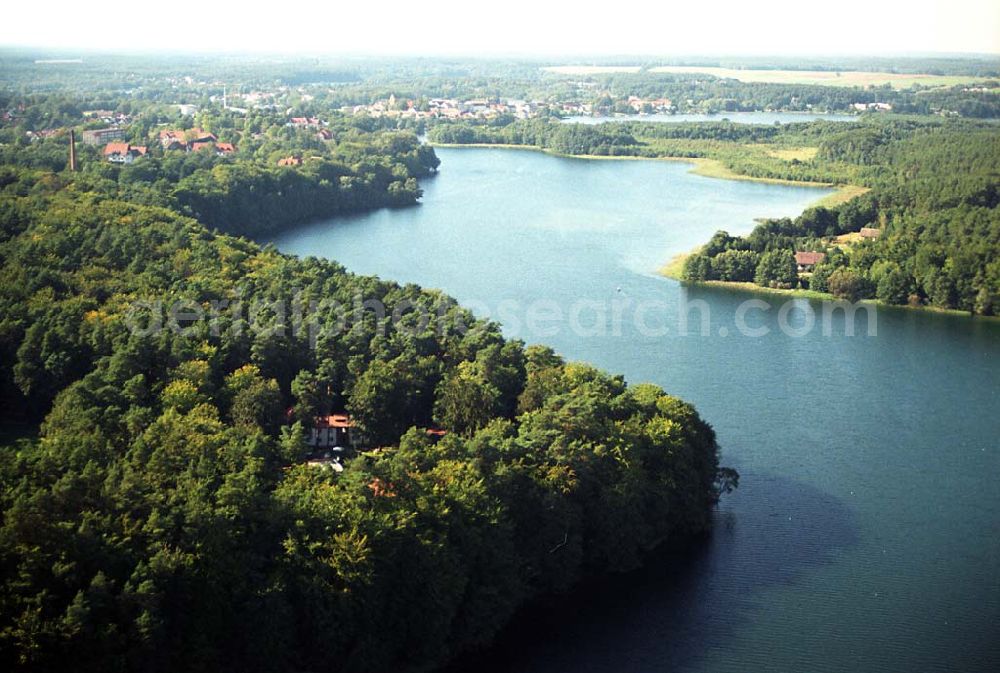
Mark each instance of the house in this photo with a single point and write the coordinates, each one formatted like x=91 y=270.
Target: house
x=870 y=232
x=290 y=161
x=805 y=261
x=220 y=149
x=101 y=136
x=873 y=107
x=123 y=153
x=324 y=135
x=305 y=122
x=335 y=431
x=199 y=146
x=174 y=139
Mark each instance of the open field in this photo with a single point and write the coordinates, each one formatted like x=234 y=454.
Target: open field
x=794 y=153
x=591 y=69
x=824 y=77
x=843 y=194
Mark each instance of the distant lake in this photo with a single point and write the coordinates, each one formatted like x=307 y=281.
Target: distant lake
x=736 y=117
x=866 y=531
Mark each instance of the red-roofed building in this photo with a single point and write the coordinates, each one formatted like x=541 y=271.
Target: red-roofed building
x=805 y=261
x=123 y=153
x=176 y=139
x=290 y=161
x=335 y=430
x=222 y=149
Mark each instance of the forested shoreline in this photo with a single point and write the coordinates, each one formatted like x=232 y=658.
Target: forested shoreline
x=166 y=517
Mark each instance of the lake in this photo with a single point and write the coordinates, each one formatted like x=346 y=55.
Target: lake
x=736 y=117
x=865 y=534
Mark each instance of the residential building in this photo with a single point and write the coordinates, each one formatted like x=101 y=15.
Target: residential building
x=333 y=431
x=123 y=153
x=805 y=261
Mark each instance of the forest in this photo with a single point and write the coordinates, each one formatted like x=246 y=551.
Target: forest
x=163 y=516
x=933 y=195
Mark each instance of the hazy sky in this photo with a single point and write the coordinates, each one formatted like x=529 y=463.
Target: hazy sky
x=513 y=26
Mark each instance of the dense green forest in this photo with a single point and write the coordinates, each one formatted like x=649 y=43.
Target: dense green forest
x=164 y=518
x=933 y=195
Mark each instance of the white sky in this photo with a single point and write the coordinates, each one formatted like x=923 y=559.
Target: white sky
x=470 y=27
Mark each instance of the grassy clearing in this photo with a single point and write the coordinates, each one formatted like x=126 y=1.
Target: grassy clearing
x=675 y=267
x=793 y=153
x=823 y=77
x=843 y=194
x=846 y=240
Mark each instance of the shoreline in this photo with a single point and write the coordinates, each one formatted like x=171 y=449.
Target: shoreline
x=673 y=268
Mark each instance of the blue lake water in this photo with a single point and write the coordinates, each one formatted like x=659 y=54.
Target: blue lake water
x=737 y=117
x=866 y=531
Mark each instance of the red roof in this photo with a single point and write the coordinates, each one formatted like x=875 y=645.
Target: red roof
x=436 y=432
x=181 y=135
x=809 y=258
x=116 y=148
x=334 y=421
x=290 y=161
x=200 y=145
x=225 y=147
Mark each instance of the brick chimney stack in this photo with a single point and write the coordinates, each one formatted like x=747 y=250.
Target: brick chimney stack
x=72 y=150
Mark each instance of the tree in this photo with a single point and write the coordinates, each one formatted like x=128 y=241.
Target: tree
x=847 y=285
x=466 y=401
x=893 y=287
x=380 y=401
x=776 y=269
x=697 y=267
x=735 y=265
x=256 y=401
